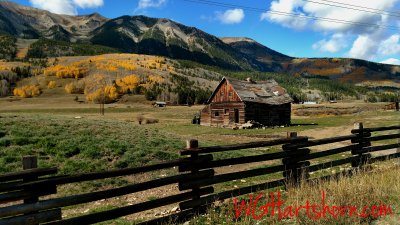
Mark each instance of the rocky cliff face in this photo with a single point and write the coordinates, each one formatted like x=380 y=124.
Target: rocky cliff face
x=27 y=22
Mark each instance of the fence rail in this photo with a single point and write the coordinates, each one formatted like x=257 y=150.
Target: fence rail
x=195 y=177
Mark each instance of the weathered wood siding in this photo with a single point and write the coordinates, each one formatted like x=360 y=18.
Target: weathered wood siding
x=205 y=116
x=268 y=115
x=226 y=109
x=222 y=114
x=226 y=93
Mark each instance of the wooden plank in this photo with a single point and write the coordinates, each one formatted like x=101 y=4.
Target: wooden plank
x=27 y=173
x=230 y=193
x=18 y=185
x=336 y=176
x=31 y=219
x=376 y=138
x=383 y=137
x=176 y=218
x=332 y=163
x=376 y=148
x=354 y=131
x=244 y=160
x=229 y=177
x=98 y=195
x=94 y=176
x=126 y=210
x=384 y=157
x=211 y=149
x=323 y=141
x=321 y=154
x=23 y=194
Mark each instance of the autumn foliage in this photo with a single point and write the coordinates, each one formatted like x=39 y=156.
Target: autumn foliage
x=128 y=83
x=75 y=88
x=105 y=94
x=75 y=70
x=27 y=91
x=52 y=84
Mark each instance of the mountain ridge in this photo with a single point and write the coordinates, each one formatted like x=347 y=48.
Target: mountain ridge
x=165 y=37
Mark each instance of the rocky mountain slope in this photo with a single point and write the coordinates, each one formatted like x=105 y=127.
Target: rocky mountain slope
x=349 y=70
x=74 y=35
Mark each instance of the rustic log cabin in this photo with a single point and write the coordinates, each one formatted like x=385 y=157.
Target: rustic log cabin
x=236 y=102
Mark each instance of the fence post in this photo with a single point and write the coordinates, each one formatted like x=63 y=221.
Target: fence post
x=295 y=164
x=358 y=164
x=191 y=144
x=30 y=162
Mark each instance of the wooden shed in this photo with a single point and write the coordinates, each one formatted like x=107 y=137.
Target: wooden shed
x=236 y=102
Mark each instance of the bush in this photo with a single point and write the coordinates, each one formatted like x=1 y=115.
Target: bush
x=140 y=118
x=52 y=84
x=108 y=94
x=75 y=88
x=151 y=120
x=4 y=88
x=27 y=91
x=127 y=84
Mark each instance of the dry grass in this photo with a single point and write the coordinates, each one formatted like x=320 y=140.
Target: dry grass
x=378 y=187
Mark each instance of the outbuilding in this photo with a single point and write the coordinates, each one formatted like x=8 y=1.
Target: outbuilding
x=236 y=102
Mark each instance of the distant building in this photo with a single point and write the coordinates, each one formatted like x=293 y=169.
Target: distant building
x=236 y=102
x=160 y=104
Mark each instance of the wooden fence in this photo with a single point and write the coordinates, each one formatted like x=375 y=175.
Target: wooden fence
x=26 y=196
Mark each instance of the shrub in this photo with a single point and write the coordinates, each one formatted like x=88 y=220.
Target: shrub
x=76 y=71
x=27 y=91
x=75 y=88
x=108 y=94
x=4 y=88
x=151 y=120
x=140 y=118
x=52 y=84
x=127 y=84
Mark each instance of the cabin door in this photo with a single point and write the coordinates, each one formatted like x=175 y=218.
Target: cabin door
x=236 y=115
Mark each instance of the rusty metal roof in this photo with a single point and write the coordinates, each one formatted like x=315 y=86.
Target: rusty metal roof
x=266 y=92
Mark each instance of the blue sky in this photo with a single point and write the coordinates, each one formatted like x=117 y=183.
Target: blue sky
x=263 y=21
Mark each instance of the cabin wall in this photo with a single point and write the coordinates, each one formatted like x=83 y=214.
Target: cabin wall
x=223 y=114
x=205 y=116
x=268 y=115
x=226 y=93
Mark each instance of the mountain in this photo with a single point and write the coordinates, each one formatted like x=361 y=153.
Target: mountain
x=144 y=35
x=26 y=22
x=94 y=34
x=343 y=69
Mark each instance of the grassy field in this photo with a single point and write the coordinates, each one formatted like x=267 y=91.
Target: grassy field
x=75 y=138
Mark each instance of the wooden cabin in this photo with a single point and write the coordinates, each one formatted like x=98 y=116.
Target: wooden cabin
x=236 y=102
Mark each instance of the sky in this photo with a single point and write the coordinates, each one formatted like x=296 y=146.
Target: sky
x=363 y=29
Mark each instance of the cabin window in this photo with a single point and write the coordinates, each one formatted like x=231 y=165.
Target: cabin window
x=222 y=93
x=226 y=111
x=216 y=113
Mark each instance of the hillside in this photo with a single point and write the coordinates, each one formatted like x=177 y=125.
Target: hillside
x=27 y=22
x=354 y=71
x=144 y=35
x=52 y=35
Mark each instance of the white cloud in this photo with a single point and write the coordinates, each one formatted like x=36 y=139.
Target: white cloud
x=55 y=6
x=286 y=6
x=366 y=42
x=328 y=11
x=231 y=16
x=144 y=4
x=68 y=7
x=336 y=43
x=390 y=46
x=391 y=61
x=88 y=3
x=364 y=47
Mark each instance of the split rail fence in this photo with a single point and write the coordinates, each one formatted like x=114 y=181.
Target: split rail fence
x=27 y=197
